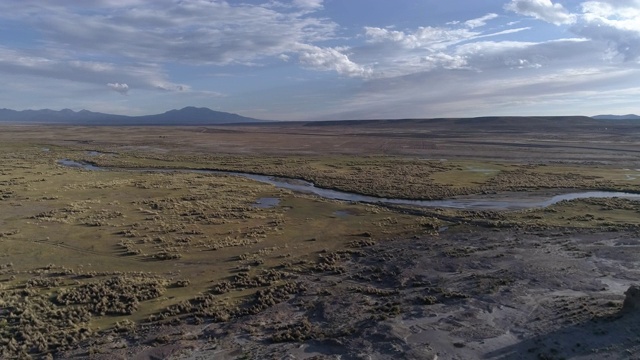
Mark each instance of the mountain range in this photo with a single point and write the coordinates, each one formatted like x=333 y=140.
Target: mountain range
x=186 y=116
x=189 y=115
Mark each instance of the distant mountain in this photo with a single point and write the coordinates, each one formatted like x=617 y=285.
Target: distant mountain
x=186 y=116
x=617 y=117
x=485 y=123
x=194 y=116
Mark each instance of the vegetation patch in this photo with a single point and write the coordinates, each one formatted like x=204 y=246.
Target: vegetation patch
x=119 y=295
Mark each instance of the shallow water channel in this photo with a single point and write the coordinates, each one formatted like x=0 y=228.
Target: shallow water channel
x=505 y=201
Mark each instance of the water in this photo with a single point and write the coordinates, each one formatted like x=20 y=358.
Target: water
x=75 y=164
x=513 y=201
x=267 y=202
x=97 y=153
x=482 y=171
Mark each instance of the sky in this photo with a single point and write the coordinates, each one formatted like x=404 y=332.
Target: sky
x=323 y=59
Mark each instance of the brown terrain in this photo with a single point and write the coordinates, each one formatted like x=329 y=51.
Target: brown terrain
x=145 y=259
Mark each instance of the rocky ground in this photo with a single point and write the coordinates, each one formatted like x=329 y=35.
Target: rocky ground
x=466 y=293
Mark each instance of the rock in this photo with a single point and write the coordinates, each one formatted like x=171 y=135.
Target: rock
x=632 y=299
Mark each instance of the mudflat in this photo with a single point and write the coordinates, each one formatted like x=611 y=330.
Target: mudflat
x=125 y=262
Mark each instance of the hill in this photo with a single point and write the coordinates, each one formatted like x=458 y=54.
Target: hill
x=617 y=117
x=486 y=123
x=186 y=116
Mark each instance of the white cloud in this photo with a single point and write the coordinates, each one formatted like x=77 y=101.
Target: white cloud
x=143 y=76
x=308 y=4
x=614 y=23
x=543 y=10
x=481 y=21
x=493 y=55
x=326 y=59
x=189 y=32
x=143 y=44
x=424 y=37
x=120 y=88
x=520 y=92
x=491 y=48
x=442 y=60
x=140 y=37
x=394 y=53
x=620 y=42
x=504 y=32
x=619 y=16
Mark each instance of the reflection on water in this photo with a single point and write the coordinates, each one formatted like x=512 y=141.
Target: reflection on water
x=481 y=170
x=267 y=202
x=511 y=201
x=75 y=164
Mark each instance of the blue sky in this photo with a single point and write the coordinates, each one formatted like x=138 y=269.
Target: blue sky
x=323 y=59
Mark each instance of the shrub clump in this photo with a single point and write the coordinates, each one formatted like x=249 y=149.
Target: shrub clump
x=119 y=295
x=30 y=323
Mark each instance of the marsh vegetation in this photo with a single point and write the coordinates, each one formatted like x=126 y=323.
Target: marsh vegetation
x=180 y=259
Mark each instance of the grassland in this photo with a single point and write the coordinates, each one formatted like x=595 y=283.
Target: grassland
x=132 y=256
x=66 y=230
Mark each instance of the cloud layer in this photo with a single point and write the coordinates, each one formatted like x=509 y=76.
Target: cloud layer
x=543 y=10
x=142 y=47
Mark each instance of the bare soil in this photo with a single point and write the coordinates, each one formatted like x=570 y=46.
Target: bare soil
x=467 y=293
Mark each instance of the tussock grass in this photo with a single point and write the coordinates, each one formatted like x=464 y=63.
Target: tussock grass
x=125 y=248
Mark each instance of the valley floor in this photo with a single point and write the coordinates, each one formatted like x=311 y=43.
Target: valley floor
x=108 y=264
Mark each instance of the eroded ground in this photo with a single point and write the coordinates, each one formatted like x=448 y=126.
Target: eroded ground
x=153 y=265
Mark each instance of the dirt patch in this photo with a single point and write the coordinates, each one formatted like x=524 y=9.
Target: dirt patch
x=513 y=294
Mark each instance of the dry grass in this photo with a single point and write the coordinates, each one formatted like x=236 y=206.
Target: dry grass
x=88 y=251
x=128 y=245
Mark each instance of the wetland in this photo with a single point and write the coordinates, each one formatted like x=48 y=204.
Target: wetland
x=504 y=201
x=379 y=240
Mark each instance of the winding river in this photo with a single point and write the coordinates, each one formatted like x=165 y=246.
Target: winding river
x=506 y=201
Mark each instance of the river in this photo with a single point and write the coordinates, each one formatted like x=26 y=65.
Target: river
x=505 y=201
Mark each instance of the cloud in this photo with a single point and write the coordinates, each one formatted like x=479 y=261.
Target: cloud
x=147 y=35
x=144 y=44
x=543 y=10
x=308 y=4
x=141 y=76
x=613 y=23
x=120 y=88
x=481 y=21
x=621 y=16
x=326 y=59
x=189 y=32
x=493 y=55
x=393 y=53
x=519 y=92
x=620 y=42
x=424 y=37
